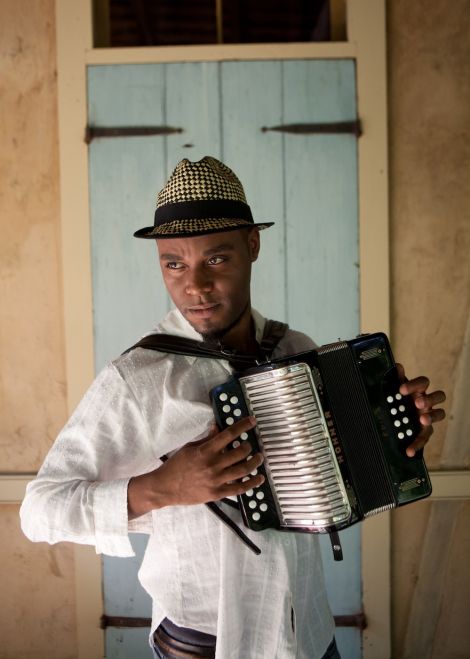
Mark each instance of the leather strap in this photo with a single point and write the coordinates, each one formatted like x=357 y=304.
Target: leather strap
x=179 y=345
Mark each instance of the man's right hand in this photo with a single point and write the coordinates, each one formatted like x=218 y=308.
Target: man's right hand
x=199 y=472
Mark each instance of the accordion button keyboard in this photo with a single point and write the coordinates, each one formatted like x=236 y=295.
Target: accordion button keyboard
x=403 y=414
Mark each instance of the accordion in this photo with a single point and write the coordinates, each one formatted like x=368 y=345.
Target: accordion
x=333 y=429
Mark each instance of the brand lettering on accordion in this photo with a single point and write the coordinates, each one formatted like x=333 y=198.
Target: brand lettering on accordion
x=333 y=429
x=334 y=438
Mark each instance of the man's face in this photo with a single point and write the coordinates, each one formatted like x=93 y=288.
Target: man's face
x=208 y=277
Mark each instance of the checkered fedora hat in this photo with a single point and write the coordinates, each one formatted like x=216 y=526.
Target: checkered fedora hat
x=200 y=197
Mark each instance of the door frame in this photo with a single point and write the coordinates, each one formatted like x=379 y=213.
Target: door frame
x=366 y=44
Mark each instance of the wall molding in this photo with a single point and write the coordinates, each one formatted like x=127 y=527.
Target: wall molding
x=447 y=485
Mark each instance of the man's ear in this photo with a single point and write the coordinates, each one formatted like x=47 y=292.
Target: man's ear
x=254 y=243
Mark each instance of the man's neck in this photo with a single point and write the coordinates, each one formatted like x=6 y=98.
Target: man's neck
x=242 y=336
x=243 y=339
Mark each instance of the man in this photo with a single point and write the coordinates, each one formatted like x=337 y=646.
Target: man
x=106 y=473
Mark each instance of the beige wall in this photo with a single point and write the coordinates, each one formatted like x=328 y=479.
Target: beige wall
x=429 y=101
x=37 y=581
x=429 y=115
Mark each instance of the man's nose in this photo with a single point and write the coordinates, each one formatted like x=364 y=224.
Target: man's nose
x=198 y=281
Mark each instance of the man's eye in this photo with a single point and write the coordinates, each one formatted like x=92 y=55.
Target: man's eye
x=215 y=260
x=174 y=265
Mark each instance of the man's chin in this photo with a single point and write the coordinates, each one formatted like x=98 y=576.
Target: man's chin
x=216 y=325
x=205 y=327
x=208 y=329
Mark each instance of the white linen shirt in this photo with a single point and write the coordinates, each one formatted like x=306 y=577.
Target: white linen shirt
x=198 y=573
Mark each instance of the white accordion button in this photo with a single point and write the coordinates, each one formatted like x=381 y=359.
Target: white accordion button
x=255 y=517
x=402 y=408
x=389 y=399
x=236 y=443
x=249 y=493
x=229 y=420
x=398 y=397
x=260 y=495
x=237 y=412
x=226 y=408
x=252 y=504
x=234 y=400
x=392 y=411
x=401 y=435
x=223 y=396
x=405 y=419
x=397 y=423
x=409 y=432
x=263 y=507
x=244 y=435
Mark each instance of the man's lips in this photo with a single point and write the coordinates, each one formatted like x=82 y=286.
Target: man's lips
x=204 y=310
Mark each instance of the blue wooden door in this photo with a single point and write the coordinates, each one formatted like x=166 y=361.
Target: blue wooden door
x=308 y=270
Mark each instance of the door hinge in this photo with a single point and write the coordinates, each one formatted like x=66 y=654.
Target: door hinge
x=347 y=127
x=93 y=132
x=123 y=621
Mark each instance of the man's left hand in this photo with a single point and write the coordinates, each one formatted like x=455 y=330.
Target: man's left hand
x=425 y=403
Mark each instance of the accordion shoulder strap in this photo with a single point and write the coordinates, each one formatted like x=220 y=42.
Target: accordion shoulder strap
x=273 y=332
x=179 y=345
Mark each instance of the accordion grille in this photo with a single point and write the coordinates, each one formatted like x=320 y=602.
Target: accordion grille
x=300 y=461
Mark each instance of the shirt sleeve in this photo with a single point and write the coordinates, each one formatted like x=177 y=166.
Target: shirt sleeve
x=80 y=492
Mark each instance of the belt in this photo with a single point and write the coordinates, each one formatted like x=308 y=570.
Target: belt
x=178 y=642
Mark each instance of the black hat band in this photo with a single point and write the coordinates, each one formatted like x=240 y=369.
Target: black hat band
x=186 y=210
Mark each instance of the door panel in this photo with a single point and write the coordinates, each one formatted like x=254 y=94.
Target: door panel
x=251 y=98
x=307 y=273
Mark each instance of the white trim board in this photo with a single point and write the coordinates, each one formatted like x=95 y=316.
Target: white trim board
x=446 y=485
x=220 y=53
